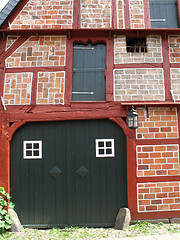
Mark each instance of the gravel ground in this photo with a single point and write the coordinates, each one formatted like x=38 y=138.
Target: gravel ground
x=93 y=233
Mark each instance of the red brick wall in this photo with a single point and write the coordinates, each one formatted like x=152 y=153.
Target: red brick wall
x=39 y=51
x=58 y=14
x=157 y=160
x=120 y=13
x=50 y=87
x=96 y=13
x=157 y=123
x=45 y=14
x=174 y=49
x=137 y=13
x=161 y=196
x=17 y=88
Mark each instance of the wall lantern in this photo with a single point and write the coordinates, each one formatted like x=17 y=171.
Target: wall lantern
x=133 y=119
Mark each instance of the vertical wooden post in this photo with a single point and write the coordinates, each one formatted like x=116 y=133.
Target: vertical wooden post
x=114 y=13
x=147 y=20
x=77 y=14
x=127 y=14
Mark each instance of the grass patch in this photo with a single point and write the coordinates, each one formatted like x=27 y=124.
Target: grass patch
x=76 y=233
x=147 y=228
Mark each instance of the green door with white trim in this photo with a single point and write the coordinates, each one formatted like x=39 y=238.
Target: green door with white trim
x=69 y=173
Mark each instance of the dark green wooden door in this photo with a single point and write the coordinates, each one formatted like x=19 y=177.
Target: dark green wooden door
x=69 y=185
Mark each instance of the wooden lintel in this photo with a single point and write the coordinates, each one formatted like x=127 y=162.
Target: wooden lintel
x=4 y=36
x=69 y=35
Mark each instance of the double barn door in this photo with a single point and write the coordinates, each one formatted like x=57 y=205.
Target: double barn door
x=68 y=173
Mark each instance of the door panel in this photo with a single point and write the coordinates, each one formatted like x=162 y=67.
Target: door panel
x=89 y=64
x=69 y=185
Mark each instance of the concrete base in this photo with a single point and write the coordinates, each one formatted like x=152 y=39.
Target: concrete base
x=16 y=225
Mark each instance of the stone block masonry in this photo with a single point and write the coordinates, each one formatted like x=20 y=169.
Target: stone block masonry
x=153 y=54
x=45 y=14
x=96 y=13
x=51 y=86
x=157 y=160
x=161 y=196
x=17 y=88
x=136 y=84
x=39 y=51
x=161 y=123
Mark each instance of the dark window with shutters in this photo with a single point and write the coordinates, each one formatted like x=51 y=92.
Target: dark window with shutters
x=89 y=64
x=164 y=14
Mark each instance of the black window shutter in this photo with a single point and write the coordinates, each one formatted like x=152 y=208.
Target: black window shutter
x=89 y=64
x=164 y=14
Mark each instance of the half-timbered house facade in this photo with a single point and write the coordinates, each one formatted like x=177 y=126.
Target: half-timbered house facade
x=70 y=71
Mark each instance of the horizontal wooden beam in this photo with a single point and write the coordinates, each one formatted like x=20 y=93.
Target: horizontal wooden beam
x=150 y=103
x=133 y=32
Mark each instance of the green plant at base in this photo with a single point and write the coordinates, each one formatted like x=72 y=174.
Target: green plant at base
x=5 y=221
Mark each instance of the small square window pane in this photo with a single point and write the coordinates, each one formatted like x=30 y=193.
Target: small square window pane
x=105 y=148
x=36 y=153
x=101 y=151
x=32 y=149
x=28 y=145
x=108 y=151
x=101 y=144
x=108 y=144
x=36 y=145
x=28 y=153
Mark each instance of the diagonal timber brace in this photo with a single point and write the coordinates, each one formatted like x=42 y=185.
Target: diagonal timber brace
x=14 y=46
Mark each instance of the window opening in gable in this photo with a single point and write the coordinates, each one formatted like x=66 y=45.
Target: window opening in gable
x=136 y=45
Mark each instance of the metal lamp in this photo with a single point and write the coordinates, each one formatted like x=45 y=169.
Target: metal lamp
x=133 y=119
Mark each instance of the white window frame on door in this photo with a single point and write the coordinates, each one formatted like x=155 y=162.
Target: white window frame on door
x=32 y=149
x=104 y=147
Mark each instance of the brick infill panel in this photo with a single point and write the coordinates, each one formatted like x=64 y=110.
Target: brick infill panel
x=174 y=49
x=137 y=14
x=39 y=51
x=50 y=87
x=153 y=54
x=157 y=123
x=45 y=14
x=139 y=84
x=96 y=14
x=157 y=160
x=10 y=40
x=17 y=88
x=175 y=83
x=120 y=13
x=161 y=196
